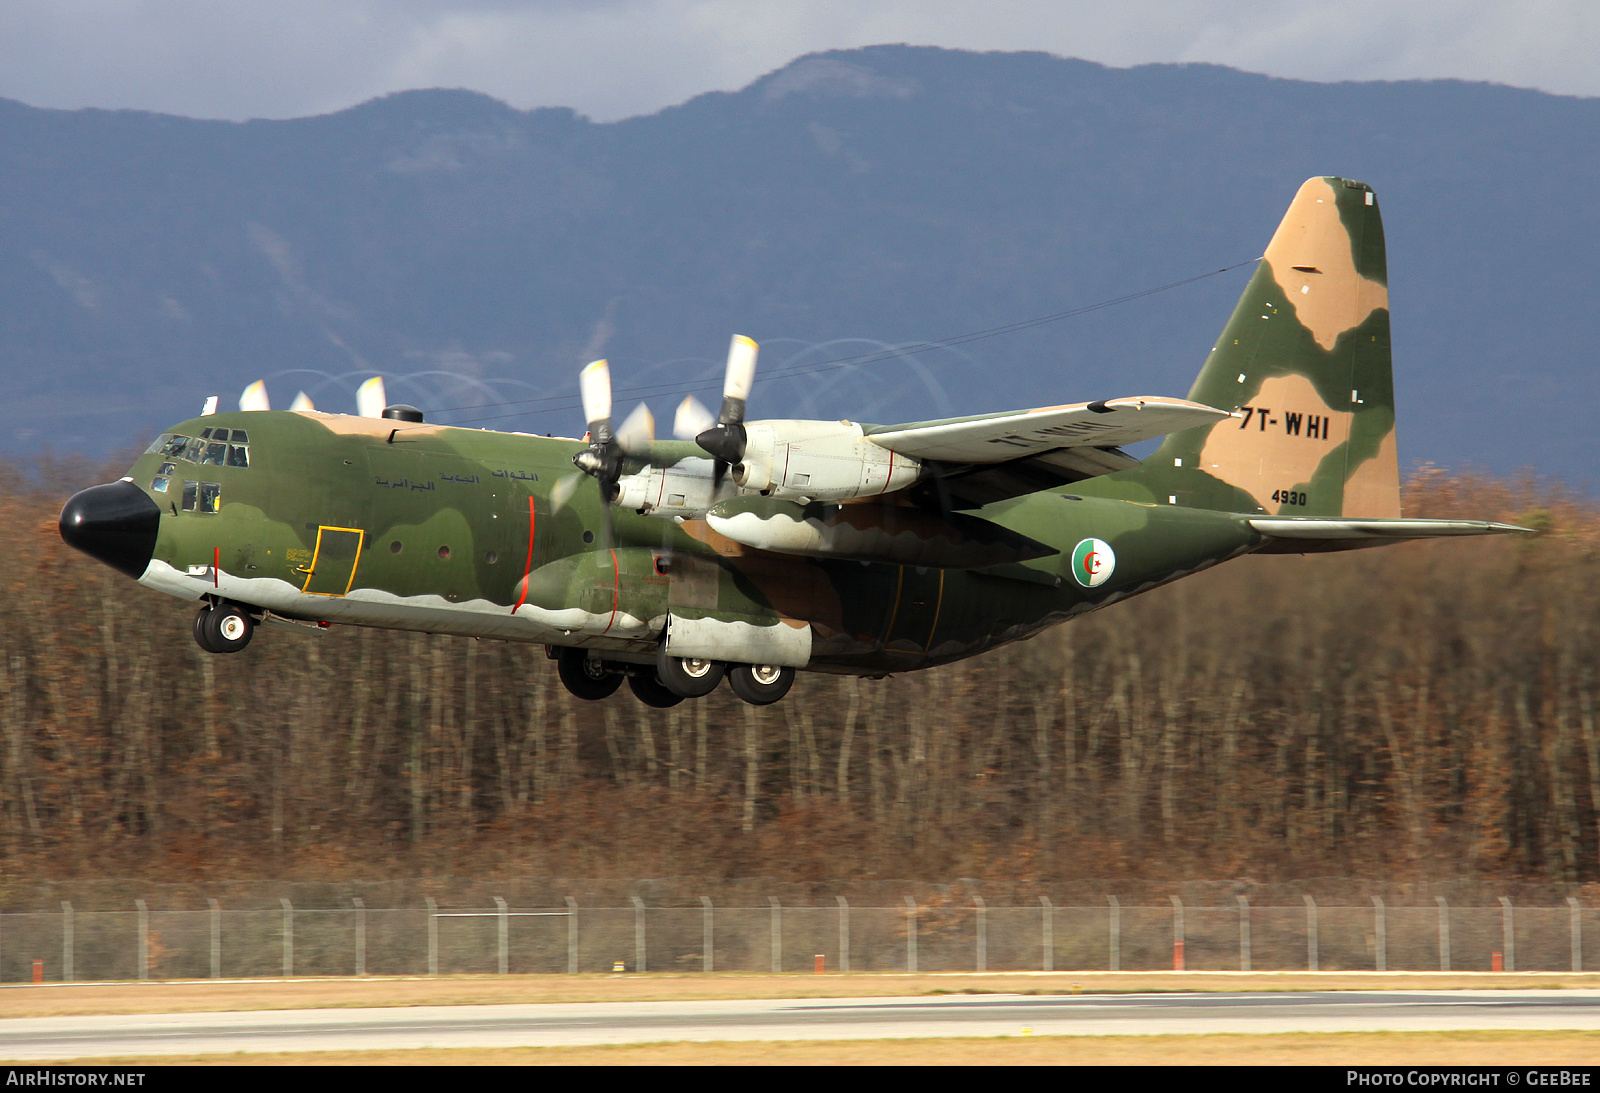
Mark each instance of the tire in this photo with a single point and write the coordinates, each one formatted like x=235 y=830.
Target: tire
x=688 y=677
x=200 y=638
x=228 y=628
x=760 y=684
x=652 y=692
x=590 y=680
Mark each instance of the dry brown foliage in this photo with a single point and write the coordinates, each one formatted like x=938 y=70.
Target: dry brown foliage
x=1412 y=713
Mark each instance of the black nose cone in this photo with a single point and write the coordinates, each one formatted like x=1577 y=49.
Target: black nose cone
x=115 y=523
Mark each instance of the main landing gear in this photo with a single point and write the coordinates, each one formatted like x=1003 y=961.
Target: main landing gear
x=671 y=679
x=223 y=628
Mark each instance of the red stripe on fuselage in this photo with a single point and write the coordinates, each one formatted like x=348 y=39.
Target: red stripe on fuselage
x=527 y=568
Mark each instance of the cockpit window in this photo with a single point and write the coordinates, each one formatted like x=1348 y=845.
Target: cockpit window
x=210 y=496
x=214 y=450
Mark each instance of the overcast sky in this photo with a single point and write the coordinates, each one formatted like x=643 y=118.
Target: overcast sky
x=616 y=58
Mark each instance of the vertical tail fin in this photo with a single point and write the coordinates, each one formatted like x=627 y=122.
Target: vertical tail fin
x=1305 y=359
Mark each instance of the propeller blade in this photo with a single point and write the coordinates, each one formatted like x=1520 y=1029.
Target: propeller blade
x=594 y=385
x=741 y=376
x=210 y=407
x=637 y=431
x=691 y=420
x=563 y=490
x=370 y=399
x=255 y=397
x=302 y=401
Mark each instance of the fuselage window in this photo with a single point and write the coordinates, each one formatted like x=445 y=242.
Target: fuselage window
x=216 y=455
x=159 y=485
x=210 y=496
x=238 y=455
x=191 y=493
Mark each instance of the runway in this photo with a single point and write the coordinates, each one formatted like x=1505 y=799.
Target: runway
x=565 y=1024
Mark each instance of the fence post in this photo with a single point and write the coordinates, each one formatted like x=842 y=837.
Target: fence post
x=1115 y=931
x=911 y=934
x=144 y=939
x=983 y=933
x=777 y=934
x=216 y=939
x=638 y=934
x=1577 y=933
x=361 y=936
x=1508 y=927
x=1177 y=933
x=433 y=935
x=503 y=935
x=1444 y=934
x=844 y=934
x=572 y=936
x=1382 y=934
x=68 y=947
x=288 y=937
x=1047 y=933
x=706 y=925
x=1244 y=934
x=1311 y=934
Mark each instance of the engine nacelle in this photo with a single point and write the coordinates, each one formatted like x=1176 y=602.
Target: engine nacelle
x=819 y=460
x=684 y=489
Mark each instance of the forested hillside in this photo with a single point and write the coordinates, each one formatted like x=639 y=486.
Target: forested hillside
x=1414 y=713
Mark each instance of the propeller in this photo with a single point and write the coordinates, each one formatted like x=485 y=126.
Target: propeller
x=254 y=397
x=302 y=401
x=725 y=441
x=602 y=459
x=691 y=420
x=370 y=399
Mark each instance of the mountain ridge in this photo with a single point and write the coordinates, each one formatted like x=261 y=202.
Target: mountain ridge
x=850 y=199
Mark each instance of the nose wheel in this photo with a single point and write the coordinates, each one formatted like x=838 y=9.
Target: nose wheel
x=226 y=628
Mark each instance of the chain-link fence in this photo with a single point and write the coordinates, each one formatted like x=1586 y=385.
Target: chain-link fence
x=434 y=939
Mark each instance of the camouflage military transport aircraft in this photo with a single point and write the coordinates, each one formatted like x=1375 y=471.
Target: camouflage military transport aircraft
x=753 y=549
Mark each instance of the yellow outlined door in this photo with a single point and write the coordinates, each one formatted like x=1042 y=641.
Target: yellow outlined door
x=333 y=566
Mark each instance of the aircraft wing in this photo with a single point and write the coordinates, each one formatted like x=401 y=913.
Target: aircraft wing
x=1316 y=535
x=980 y=460
x=1014 y=434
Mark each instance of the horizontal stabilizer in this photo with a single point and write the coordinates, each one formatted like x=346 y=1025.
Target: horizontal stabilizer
x=1308 y=535
x=1017 y=434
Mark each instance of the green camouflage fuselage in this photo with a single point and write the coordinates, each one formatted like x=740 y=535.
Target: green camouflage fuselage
x=445 y=530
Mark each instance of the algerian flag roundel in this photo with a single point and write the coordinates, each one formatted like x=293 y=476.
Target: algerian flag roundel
x=1092 y=562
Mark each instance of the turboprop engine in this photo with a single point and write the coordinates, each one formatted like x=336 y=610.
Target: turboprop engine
x=820 y=461
x=795 y=460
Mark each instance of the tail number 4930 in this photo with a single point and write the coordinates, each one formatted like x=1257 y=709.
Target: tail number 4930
x=1289 y=497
